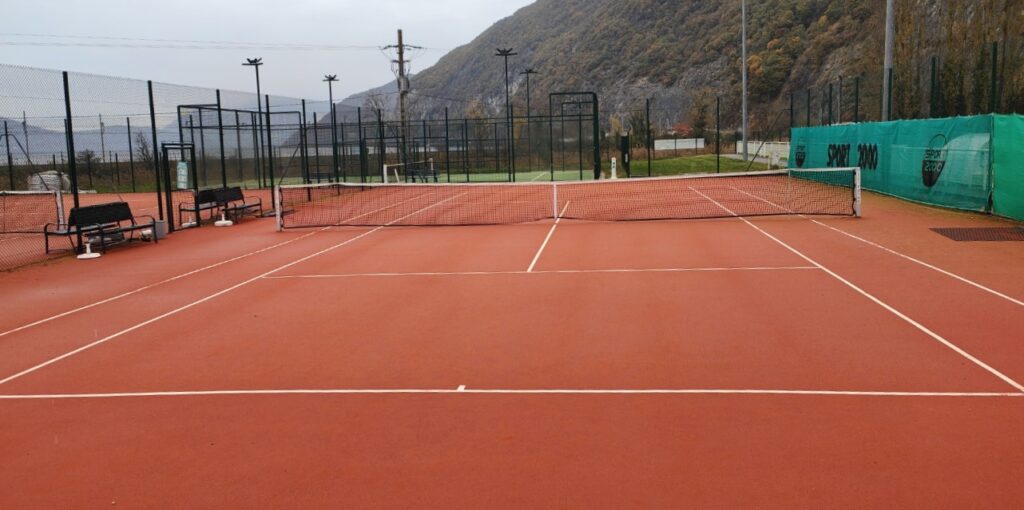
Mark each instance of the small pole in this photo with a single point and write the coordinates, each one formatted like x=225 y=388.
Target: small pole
x=448 y=146
x=10 y=160
x=202 y=147
x=302 y=140
x=808 y=123
x=316 y=147
x=364 y=161
x=830 y=122
x=650 y=142
x=238 y=150
x=994 y=101
x=220 y=135
x=72 y=167
x=792 y=112
x=465 y=149
x=270 y=143
x=932 y=113
x=839 y=100
x=156 y=167
x=131 y=153
x=856 y=100
x=718 y=134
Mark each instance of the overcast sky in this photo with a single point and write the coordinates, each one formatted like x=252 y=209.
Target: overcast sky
x=353 y=28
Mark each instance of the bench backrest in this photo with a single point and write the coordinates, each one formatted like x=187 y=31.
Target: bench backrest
x=226 y=195
x=207 y=196
x=100 y=214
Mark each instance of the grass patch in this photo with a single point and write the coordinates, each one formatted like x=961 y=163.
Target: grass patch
x=688 y=165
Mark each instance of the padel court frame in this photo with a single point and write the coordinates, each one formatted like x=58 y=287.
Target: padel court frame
x=165 y=196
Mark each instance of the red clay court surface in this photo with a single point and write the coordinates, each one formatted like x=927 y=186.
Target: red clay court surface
x=773 y=363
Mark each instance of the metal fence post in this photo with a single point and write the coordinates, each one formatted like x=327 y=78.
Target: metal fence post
x=856 y=100
x=131 y=154
x=72 y=167
x=302 y=140
x=220 y=135
x=10 y=160
x=157 y=153
x=270 y=145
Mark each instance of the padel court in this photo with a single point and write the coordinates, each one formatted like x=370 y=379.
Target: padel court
x=780 y=361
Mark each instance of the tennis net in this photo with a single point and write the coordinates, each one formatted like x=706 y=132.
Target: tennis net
x=833 y=191
x=27 y=212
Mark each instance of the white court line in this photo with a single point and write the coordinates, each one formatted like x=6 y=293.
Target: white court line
x=962 y=279
x=213 y=296
x=552 y=271
x=536 y=258
x=150 y=286
x=955 y=276
x=180 y=276
x=876 y=300
x=462 y=390
x=542 y=174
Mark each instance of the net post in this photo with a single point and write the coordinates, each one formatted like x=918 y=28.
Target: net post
x=61 y=220
x=278 y=208
x=856 y=192
x=384 y=175
x=554 y=200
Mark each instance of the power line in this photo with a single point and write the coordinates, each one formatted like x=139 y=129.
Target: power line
x=191 y=44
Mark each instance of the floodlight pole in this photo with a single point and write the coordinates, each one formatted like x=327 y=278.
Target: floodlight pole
x=890 y=35
x=256 y=63
x=330 y=79
x=746 y=153
x=506 y=53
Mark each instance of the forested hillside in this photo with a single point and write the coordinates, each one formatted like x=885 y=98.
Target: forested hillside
x=683 y=53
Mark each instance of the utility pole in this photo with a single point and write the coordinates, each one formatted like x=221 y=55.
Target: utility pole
x=506 y=53
x=746 y=154
x=401 y=69
x=890 y=35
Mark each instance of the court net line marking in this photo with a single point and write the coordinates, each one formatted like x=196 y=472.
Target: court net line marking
x=877 y=301
x=182 y=276
x=536 y=258
x=463 y=390
x=552 y=271
x=955 y=276
x=210 y=297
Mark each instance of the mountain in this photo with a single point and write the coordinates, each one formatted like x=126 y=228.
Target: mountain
x=678 y=52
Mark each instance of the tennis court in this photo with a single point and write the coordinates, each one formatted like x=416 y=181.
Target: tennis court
x=556 y=359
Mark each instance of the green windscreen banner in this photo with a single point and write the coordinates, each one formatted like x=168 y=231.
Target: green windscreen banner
x=945 y=162
x=1008 y=166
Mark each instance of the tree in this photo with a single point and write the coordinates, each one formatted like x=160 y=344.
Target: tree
x=638 y=127
x=143 y=152
x=699 y=112
x=376 y=103
x=86 y=157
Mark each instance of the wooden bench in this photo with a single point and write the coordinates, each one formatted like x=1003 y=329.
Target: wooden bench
x=108 y=223
x=236 y=205
x=203 y=200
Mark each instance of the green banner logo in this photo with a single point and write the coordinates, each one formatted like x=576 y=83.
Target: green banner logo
x=934 y=161
x=801 y=155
